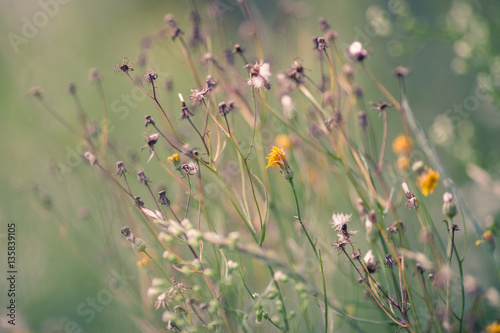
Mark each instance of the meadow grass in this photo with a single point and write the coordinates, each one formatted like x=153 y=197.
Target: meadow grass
x=276 y=197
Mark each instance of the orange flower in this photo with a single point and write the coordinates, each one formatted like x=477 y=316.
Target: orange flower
x=428 y=181
x=493 y=327
x=402 y=144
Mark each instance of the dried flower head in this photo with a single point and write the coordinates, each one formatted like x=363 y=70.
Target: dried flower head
x=90 y=157
x=189 y=169
x=320 y=43
x=238 y=49
x=138 y=202
x=150 y=77
x=401 y=71
x=260 y=74
x=277 y=158
x=163 y=199
x=72 y=88
x=412 y=201
x=225 y=108
x=94 y=75
x=148 y=121
x=396 y=227
x=185 y=113
x=125 y=66
x=142 y=178
x=36 y=92
x=120 y=169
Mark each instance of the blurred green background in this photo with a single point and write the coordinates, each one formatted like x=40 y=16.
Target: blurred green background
x=452 y=47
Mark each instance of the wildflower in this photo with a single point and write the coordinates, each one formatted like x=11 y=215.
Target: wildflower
x=120 y=169
x=259 y=75
x=143 y=262
x=283 y=140
x=370 y=262
x=125 y=66
x=493 y=327
x=449 y=207
x=487 y=237
x=330 y=35
x=403 y=163
x=339 y=222
x=402 y=145
x=357 y=51
x=150 y=77
x=175 y=161
x=277 y=158
x=428 y=181
x=90 y=157
x=412 y=200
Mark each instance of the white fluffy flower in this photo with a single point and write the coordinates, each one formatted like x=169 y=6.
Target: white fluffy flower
x=260 y=73
x=369 y=257
x=356 y=50
x=339 y=220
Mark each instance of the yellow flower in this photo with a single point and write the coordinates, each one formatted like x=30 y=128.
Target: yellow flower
x=428 y=181
x=143 y=262
x=487 y=237
x=403 y=163
x=277 y=158
x=493 y=327
x=283 y=140
x=175 y=161
x=402 y=144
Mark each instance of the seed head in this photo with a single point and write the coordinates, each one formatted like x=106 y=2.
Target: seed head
x=120 y=169
x=150 y=77
x=148 y=121
x=125 y=66
x=163 y=199
x=141 y=177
